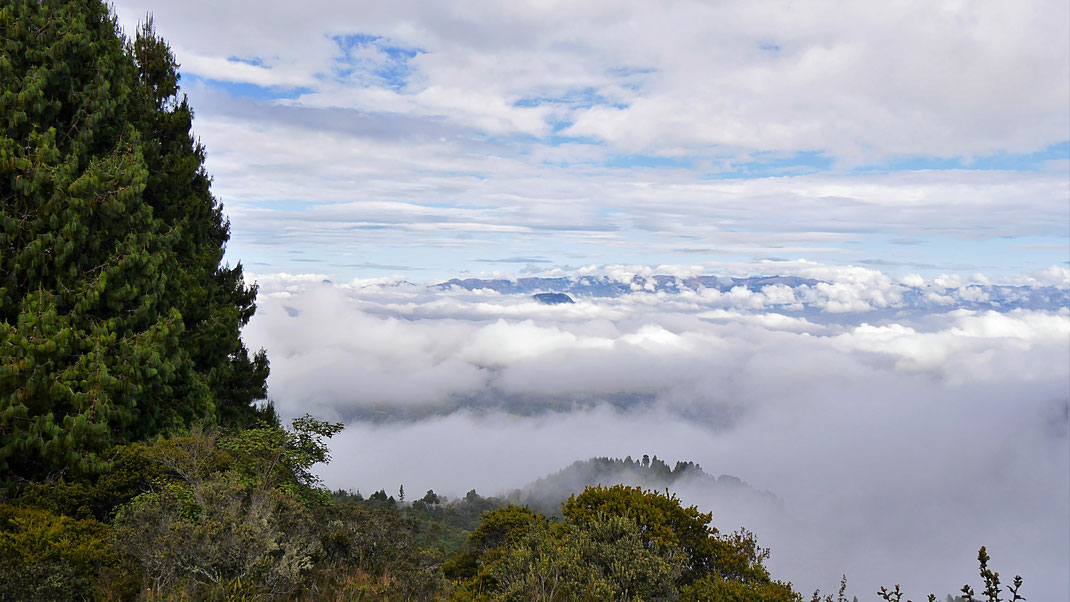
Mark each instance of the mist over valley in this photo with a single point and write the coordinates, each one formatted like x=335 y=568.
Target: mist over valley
x=871 y=408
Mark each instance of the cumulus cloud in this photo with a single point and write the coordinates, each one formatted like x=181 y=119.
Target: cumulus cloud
x=908 y=78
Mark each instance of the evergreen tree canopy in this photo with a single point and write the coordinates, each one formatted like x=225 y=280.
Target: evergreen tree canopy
x=117 y=319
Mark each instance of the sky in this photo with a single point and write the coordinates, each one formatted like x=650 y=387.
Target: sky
x=903 y=156
x=431 y=139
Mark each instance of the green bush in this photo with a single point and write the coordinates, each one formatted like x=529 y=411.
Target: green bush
x=712 y=589
x=666 y=524
x=45 y=556
x=605 y=559
x=204 y=540
x=616 y=543
x=383 y=545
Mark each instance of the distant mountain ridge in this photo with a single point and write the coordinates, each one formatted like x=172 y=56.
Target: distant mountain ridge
x=930 y=297
x=605 y=286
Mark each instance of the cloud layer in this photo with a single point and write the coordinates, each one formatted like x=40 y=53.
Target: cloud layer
x=900 y=441
x=403 y=345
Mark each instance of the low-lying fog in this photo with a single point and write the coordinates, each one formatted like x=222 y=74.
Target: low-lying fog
x=899 y=441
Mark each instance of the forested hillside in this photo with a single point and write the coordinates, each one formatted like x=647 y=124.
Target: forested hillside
x=136 y=462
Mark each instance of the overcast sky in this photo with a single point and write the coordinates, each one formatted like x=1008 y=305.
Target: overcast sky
x=434 y=138
x=893 y=150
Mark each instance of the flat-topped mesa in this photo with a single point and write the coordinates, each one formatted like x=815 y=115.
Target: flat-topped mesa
x=552 y=298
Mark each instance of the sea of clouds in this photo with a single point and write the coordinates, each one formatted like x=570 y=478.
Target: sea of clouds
x=901 y=429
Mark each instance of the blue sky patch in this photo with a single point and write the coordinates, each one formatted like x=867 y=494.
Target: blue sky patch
x=284 y=205
x=374 y=60
x=247 y=90
x=648 y=162
x=773 y=164
x=1035 y=161
x=578 y=98
x=254 y=61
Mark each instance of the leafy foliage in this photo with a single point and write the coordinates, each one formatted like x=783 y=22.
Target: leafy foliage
x=381 y=544
x=202 y=517
x=232 y=512
x=46 y=556
x=204 y=540
x=616 y=543
x=666 y=524
x=270 y=457
x=606 y=559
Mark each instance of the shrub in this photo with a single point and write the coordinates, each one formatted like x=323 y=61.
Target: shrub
x=46 y=556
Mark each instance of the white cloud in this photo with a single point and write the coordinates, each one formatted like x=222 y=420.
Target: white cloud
x=465 y=108
x=899 y=441
x=230 y=70
x=908 y=78
x=364 y=346
x=1056 y=275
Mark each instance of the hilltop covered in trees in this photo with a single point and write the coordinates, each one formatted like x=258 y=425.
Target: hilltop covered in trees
x=648 y=472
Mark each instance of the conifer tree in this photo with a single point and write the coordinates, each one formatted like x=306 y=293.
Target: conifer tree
x=117 y=319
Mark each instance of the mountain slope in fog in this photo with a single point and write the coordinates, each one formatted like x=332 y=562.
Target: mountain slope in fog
x=546 y=494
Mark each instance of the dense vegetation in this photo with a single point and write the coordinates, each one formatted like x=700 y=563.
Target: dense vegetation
x=214 y=515
x=134 y=463
x=221 y=515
